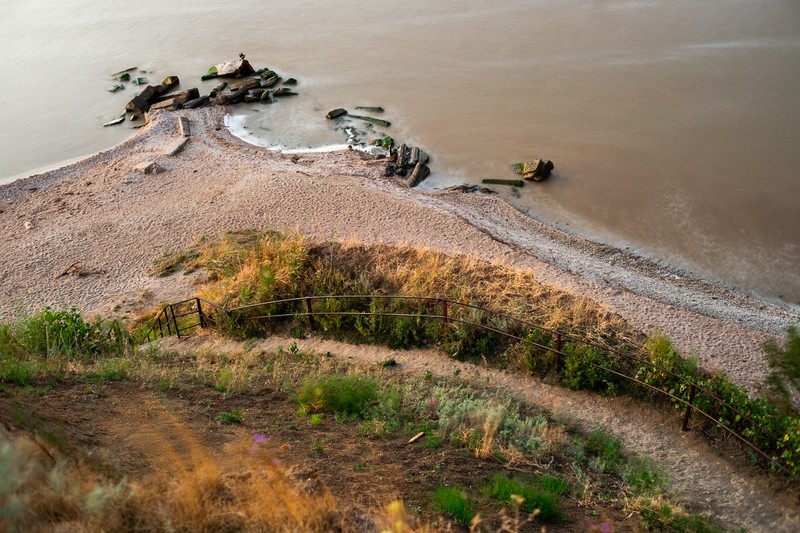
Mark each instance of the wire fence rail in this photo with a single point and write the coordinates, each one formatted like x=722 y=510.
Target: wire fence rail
x=185 y=317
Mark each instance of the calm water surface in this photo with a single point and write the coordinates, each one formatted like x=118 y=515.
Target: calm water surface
x=674 y=125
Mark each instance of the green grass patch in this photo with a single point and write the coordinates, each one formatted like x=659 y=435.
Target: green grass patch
x=454 y=502
x=18 y=371
x=605 y=450
x=348 y=395
x=644 y=476
x=235 y=416
x=531 y=495
x=434 y=441
x=110 y=370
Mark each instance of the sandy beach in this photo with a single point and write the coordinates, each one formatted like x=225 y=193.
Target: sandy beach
x=110 y=223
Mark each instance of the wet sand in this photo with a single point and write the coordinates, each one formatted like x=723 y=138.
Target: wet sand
x=114 y=222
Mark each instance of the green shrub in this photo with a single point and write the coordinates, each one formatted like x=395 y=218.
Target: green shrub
x=644 y=476
x=348 y=395
x=783 y=382
x=534 y=356
x=667 y=367
x=50 y=333
x=580 y=368
x=19 y=371
x=433 y=442
x=605 y=449
x=454 y=502
x=789 y=446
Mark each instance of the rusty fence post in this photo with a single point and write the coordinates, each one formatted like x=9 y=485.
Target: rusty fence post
x=160 y=327
x=692 y=391
x=200 y=316
x=175 y=321
x=444 y=319
x=558 y=349
x=310 y=313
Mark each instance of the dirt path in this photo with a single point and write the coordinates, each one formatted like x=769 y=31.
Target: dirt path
x=700 y=477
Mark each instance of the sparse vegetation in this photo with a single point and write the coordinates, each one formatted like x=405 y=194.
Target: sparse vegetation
x=173 y=261
x=250 y=266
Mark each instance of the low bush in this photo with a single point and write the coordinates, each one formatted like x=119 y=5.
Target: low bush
x=605 y=449
x=47 y=343
x=52 y=333
x=582 y=368
x=783 y=382
x=236 y=416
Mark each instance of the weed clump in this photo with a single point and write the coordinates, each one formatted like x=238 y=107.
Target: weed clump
x=347 y=395
x=236 y=416
x=532 y=495
x=49 y=341
x=454 y=502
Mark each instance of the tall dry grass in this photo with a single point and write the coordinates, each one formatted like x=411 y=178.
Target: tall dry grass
x=191 y=491
x=249 y=266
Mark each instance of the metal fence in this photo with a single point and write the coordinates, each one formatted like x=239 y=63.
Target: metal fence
x=182 y=318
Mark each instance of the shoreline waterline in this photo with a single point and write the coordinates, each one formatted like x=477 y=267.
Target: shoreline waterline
x=609 y=244
x=116 y=222
x=604 y=244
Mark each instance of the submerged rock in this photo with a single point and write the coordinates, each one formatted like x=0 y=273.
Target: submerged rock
x=335 y=113
x=118 y=120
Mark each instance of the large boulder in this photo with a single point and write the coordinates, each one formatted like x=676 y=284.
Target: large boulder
x=142 y=101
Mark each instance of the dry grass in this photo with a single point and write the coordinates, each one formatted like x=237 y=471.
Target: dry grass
x=249 y=266
x=194 y=492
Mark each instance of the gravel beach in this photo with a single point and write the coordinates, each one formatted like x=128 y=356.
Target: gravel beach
x=87 y=234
